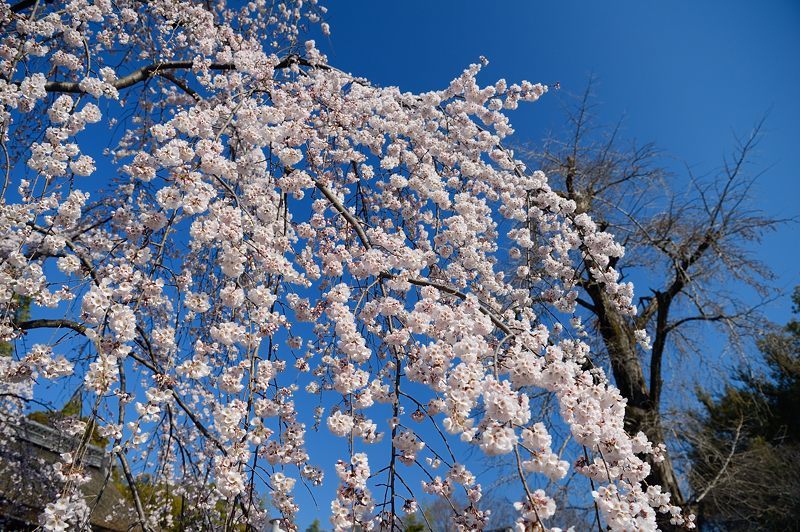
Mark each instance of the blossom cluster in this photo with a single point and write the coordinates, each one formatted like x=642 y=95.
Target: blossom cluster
x=272 y=231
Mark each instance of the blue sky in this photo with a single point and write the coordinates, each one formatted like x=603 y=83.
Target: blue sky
x=685 y=75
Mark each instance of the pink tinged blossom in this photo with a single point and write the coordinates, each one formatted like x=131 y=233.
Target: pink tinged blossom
x=122 y=321
x=340 y=424
x=275 y=229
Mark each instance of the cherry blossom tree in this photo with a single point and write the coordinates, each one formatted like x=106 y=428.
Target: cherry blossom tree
x=232 y=229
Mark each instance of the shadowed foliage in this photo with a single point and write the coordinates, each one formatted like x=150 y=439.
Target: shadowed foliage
x=747 y=454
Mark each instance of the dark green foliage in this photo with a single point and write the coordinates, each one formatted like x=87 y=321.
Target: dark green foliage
x=413 y=525
x=746 y=460
x=314 y=527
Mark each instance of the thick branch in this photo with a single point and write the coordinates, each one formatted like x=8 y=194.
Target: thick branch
x=53 y=324
x=180 y=84
x=715 y=317
x=134 y=77
x=163 y=68
x=659 y=343
x=134 y=491
x=25 y=4
x=347 y=215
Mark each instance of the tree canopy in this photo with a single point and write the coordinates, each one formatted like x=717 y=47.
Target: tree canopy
x=230 y=243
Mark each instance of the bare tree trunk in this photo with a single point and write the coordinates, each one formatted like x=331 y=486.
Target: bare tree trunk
x=642 y=410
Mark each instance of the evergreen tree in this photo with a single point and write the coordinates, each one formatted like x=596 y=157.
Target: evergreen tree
x=413 y=525
x=746 y=462
x=314 y=527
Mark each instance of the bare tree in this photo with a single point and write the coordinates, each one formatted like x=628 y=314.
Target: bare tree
x=689 y=244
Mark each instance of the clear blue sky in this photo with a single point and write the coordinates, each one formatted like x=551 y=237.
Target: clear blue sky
x=686 y=75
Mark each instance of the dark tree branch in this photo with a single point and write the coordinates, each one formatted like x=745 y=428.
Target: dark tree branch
x=587 y=305
x=163 y=69
x=52 y=324
x=659 y=343
x=136 y=76
x=25 y=4
x=180 y=84
x=134 y=492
